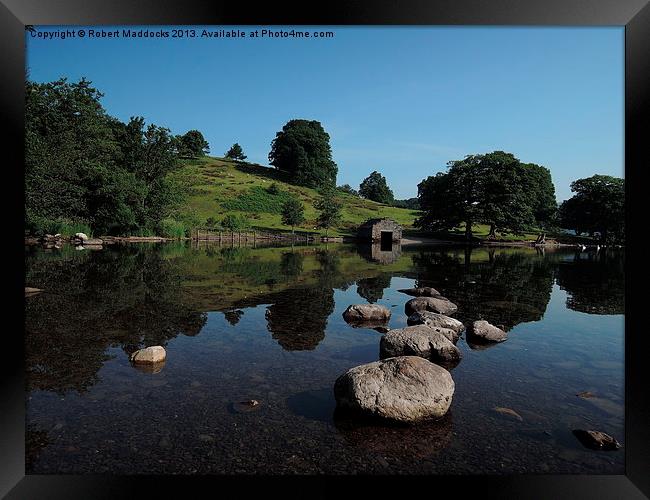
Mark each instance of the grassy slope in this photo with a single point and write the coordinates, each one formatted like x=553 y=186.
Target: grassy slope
x=215 y=180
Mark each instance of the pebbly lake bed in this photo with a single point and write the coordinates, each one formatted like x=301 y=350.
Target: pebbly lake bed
x=265 y=324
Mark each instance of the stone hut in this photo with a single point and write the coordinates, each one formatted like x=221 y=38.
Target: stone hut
x=384 y=231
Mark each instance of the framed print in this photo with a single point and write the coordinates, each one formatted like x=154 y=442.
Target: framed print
x=356 y=243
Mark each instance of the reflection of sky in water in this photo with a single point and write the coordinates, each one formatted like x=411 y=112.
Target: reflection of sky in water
x=185 y=418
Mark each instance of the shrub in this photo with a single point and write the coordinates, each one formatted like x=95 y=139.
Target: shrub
x=235 y=223
x=171 y=228
x=257 y=199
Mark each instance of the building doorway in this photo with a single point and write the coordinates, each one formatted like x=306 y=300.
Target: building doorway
x=386 y=241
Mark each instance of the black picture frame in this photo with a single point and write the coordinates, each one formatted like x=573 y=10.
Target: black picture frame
x=15 y=14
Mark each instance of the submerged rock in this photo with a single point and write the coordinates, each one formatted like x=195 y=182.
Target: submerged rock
x=509 y=412
x=596 y=440
x=435 y=320
x=401 y=389
x=372 y=315
x=439 y=305
x=485 y=332
x=425 y=291
x=420 y=340
x=149 y=355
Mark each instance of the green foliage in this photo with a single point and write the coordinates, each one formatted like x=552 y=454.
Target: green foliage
x=329 y=208
x=411 y=203
x=375 y=188
x=258 y=199
x=83 y=165
x=302 y=150
x=274 y=189
x=192 y=144
x=346 y=188
x=293 y=213
x=40 y=226
x=236 y=153
x=235 y=223
x=494 y=189
x=171 y=228
x=598 y=206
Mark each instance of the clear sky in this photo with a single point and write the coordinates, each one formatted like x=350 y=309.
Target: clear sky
x=400 y=100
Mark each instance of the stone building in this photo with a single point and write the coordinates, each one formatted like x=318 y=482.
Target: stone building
x=384 y=231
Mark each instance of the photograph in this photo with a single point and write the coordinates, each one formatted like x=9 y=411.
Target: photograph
x=340 y=250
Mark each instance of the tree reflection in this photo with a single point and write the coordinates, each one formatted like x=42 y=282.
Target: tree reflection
x=595 y=283
x=372 y=289
x=128 y=299
x=505 y=288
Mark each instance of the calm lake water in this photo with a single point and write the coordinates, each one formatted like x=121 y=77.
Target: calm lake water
x=266 y=324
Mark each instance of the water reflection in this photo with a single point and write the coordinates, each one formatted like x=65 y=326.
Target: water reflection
x=372 y=289
x=384 y=254
x=594 y=282
x=504 y=287
x=94 y=300
x=298 y=317
x=398 y=441
x=135 y=296
x=99 y=305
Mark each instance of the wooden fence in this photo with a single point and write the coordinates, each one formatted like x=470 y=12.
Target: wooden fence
x=252 y=237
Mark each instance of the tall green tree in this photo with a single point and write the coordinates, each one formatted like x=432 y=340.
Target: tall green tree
x=81 y=165
x=192 y=144
x=236 y=153
x=329 y=208
x=302 y=149
x=598 y=206
x=375 y=188
x=494 y=189
x=293 y=213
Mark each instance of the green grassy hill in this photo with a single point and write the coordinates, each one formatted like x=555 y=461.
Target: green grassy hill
x=218 y=187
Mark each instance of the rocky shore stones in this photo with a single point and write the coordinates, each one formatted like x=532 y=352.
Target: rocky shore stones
x=420 y=340
x=438 y=305
x=149 y=355
x=596 y=440
x=401 y=389
x=425 y=291
x=81 y=236
x=29 y=291
x=367 y=314
x=435 y=320
x=485 y=332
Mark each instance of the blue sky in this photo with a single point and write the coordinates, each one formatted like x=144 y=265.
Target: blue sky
x=400 y=100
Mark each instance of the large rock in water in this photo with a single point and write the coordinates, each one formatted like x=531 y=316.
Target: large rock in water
x=402 y=389
x=371 y=314
x=424 y=291
x=485 y=332
x=420 y=340
x=435 y=320
x=438 y=305
x=149 y=355
x=81 y=236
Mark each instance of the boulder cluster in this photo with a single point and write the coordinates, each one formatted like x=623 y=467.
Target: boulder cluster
x=411 y=382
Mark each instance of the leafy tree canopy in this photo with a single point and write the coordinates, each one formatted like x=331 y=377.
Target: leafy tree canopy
x=302 y=149
x=494 y=188
x=598 y=206
x=329 y=208
x=236 y=152
x=293 y=213
x=192 y=144
x=84 y=166
x=375 y=188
